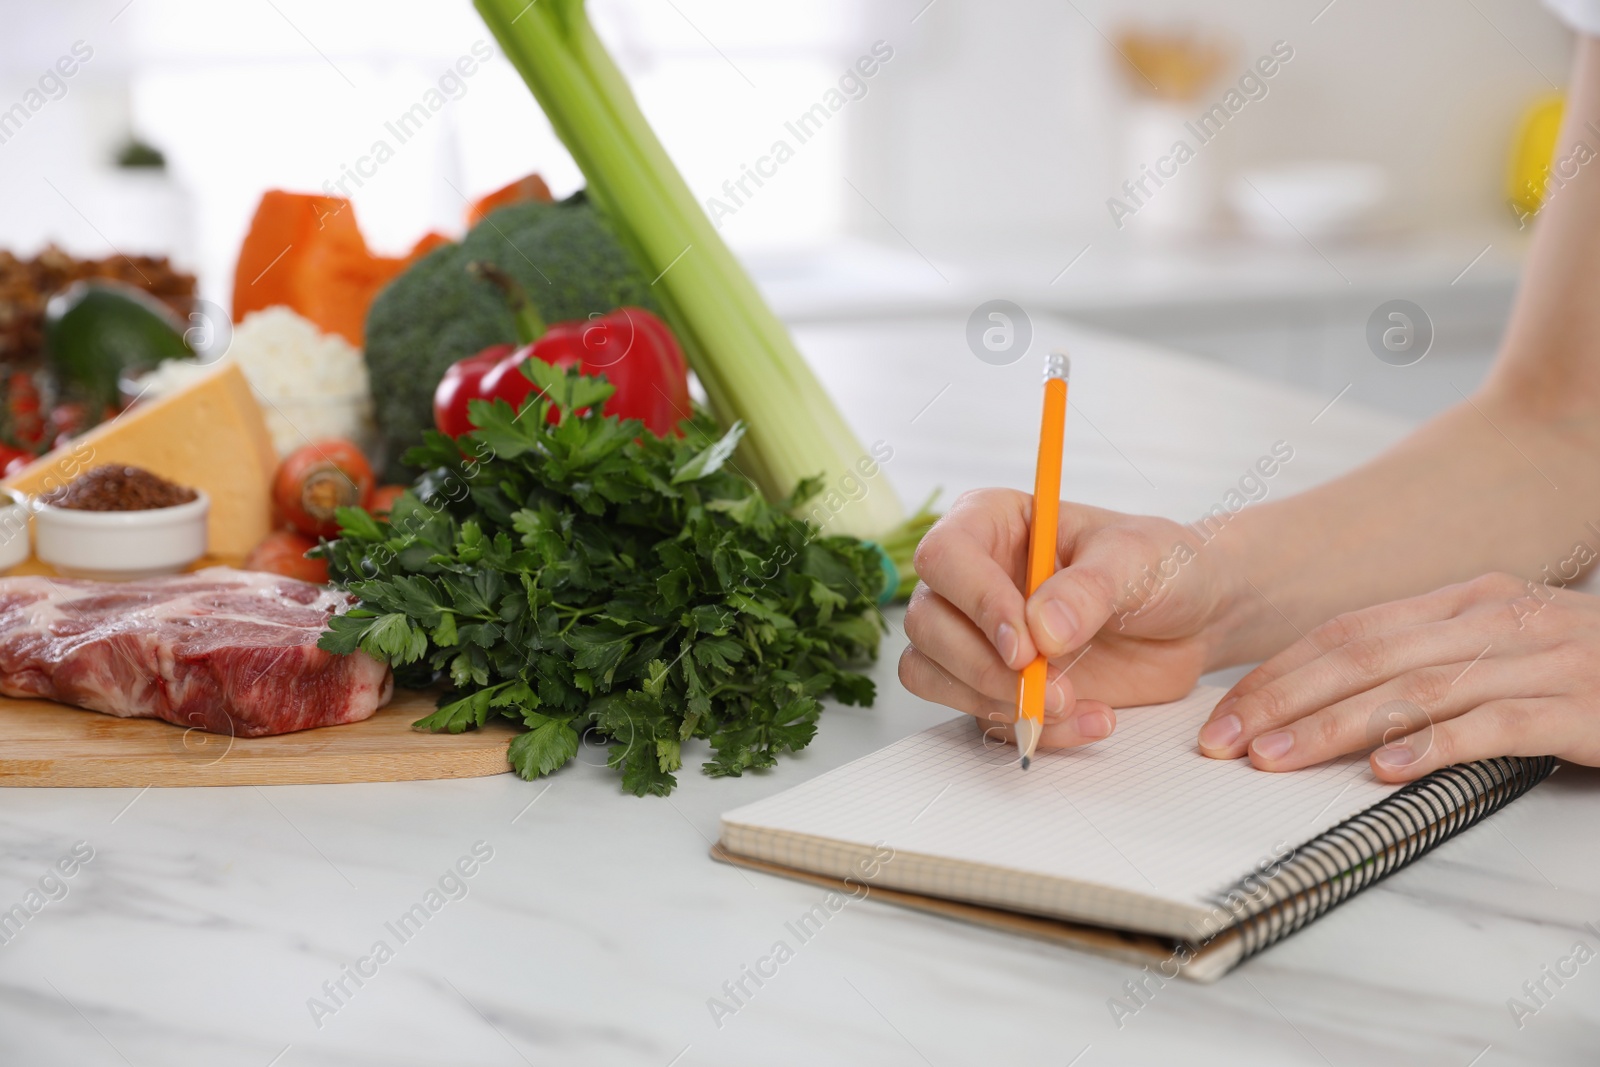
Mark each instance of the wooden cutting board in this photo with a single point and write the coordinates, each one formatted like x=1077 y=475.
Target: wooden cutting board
x=43 y=743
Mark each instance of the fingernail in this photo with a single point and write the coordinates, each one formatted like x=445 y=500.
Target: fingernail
x=1275 y=745
x=1220 y=733
x=1396 y=756
x=1005 y=643
x=1222 y=708
x=1058 y=621
x=1094 y=724
x=1055 y=701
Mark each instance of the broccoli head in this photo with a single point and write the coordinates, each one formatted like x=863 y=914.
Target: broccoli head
x=564 y=256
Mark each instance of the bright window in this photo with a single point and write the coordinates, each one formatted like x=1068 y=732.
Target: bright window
x=310 y=96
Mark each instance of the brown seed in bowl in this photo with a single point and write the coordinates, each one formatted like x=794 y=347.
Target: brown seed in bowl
x=118 y=488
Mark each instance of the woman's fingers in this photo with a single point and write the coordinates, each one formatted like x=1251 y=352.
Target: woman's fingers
x=926 y=679
x=972 y=558
x=1407 y=706
x=1361 y=665
x=950 y=639
x=1364 y=625
x=1075 y=602
x=971 y=567
x=1090 y=721
x=1527 y=726
x=933 y=679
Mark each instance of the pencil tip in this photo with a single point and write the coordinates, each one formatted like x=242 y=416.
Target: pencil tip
x=1028 y=731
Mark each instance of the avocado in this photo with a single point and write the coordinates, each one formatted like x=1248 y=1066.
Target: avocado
x=95 y=331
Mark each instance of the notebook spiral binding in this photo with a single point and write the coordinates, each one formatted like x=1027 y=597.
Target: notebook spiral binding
x=1366 y=848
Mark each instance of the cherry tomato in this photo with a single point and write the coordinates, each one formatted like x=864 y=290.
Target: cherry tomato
x=26 y=424
x=13 y=460
x=284 y=552
x=383 y=498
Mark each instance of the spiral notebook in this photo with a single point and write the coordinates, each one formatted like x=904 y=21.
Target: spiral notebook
x=1136 y=847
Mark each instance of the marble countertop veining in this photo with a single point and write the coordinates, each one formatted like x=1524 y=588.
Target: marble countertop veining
x=569 y=924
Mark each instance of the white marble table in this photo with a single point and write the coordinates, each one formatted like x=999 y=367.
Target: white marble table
x=598 y=929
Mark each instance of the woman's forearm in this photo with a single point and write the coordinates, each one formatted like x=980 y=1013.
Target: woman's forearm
x=1506 y=481
x=1481 y=488
x=1550 y=357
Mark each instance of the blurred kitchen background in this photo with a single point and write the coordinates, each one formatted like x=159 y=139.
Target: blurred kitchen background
x=978 y=160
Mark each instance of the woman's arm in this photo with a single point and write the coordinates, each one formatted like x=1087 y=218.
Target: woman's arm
x=1508 y=480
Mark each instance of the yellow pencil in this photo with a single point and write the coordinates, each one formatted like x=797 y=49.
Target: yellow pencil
x=1042 y=542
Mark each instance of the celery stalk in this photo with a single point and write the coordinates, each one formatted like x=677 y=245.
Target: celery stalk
x=739 y=349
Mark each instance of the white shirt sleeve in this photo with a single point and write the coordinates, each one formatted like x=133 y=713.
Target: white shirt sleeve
x=1581 y=15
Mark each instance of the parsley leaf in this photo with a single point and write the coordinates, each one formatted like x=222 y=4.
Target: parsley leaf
x=583 y=577
x=548 y=745
x=710 y=460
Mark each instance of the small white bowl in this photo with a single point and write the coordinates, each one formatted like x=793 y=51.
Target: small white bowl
x=1308 y=201
x=121 y=545
x=14 y=512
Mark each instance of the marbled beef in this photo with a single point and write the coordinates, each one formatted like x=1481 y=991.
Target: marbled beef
x=233 y=652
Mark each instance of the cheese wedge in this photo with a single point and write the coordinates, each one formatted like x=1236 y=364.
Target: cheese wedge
x=209 y=435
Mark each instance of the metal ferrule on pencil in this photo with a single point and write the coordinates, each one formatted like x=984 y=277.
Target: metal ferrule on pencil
x=1057 y=365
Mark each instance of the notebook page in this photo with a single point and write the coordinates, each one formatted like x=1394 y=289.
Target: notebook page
x=1140 y=813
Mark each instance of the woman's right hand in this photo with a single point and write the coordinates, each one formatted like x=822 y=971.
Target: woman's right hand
x=1131 y=618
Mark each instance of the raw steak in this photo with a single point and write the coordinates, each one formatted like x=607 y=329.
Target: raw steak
x=233 y=652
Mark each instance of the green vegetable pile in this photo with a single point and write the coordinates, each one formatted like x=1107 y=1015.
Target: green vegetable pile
x=578 y=574
x=563 y=255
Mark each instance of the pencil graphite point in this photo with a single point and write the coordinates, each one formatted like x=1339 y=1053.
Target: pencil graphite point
x=1028 y=732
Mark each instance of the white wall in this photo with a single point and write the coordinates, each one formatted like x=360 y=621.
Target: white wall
x=1000 y=124
x=994 y=126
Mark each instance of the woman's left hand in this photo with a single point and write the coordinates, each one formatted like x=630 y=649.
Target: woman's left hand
x=1496 y=666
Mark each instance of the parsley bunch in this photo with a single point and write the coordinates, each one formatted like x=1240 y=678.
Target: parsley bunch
x=574 y=572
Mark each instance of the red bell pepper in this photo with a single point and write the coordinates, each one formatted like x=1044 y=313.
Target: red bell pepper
x=630 y=347
x=461 y=383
